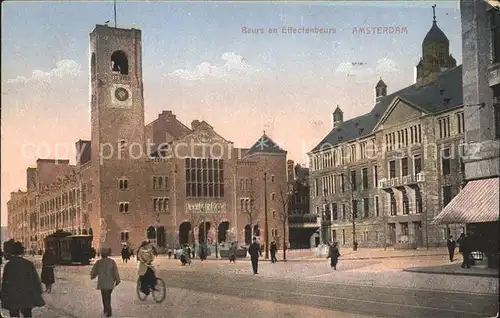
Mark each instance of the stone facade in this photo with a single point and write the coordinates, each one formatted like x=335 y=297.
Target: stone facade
x=381 y=178
x=481 y=87
x=161 y=181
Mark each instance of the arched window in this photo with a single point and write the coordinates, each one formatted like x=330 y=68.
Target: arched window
x=92 y=65
x=119 y=62
x=151 y=233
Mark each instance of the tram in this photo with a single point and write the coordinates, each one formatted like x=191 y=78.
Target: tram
x=70 y=248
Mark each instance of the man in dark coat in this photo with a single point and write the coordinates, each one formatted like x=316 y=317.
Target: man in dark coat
x=49 y=261
x=333 y=255
x=254 y=251
x=451 y=247
x=464 y=248
x=273 y=250
x=21 y=286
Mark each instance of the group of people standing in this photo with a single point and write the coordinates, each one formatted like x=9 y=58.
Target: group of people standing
x=464 y=247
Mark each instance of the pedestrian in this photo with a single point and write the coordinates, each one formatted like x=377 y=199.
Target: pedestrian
x=108 y=278
x=21 y=286
x=464 y=248
x=451 y=247
x=232 y=253
x=48 y=263
x=125 y=254
x=333 y=255
x=254 y=251
x=1 y=256
x=169 y=253
x=273 y=250
x=193 y=251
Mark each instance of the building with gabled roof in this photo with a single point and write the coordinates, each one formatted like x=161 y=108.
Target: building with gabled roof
x=163 y=181
x=379 y=179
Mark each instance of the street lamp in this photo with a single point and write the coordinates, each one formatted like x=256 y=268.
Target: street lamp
x=266 y=233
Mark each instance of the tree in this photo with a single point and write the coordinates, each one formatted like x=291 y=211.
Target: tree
x=284 y=197
x=248 y=207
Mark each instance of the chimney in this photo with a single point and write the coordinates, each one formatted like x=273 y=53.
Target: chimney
x=380 y=91
x=337 y=117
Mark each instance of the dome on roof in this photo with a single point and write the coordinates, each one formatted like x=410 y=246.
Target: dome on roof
x=435 y=34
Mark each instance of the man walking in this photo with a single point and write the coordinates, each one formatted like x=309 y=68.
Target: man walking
x=273 y=250
x=106 y=271
x=254 y=251
x=464 y=248
x=451 y=247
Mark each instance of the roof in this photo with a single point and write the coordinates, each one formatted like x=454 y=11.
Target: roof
x=338 y=110
x=478 y=202
x=381 y=84
x=435 y=34
x=266 y=145
x=443 y=94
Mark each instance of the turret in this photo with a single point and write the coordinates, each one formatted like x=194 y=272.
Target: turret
x=337 y=117
x=380 y=91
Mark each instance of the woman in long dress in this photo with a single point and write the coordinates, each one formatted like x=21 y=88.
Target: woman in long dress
x=48 y=264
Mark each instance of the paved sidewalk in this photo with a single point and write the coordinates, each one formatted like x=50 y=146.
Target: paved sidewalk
x=455 y=269
x=76 y=297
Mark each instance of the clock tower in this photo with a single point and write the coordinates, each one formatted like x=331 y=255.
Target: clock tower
x=117 y=130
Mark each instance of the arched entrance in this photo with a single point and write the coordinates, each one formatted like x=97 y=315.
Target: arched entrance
x=161 y=236
x=184 y=230
x=151 y=233
x=222 y=232
x=202 y=232
x=248 y=234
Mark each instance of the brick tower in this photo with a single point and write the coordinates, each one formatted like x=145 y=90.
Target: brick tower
x=117 y=134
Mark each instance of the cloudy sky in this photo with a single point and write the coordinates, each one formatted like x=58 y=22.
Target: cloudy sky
x=199 y=64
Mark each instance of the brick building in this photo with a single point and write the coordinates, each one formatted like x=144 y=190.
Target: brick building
x=165 y=181
x=395 y=167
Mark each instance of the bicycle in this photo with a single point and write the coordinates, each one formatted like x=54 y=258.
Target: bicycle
x=160 y=287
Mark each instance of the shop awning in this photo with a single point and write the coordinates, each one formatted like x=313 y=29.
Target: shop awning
x=477 y=203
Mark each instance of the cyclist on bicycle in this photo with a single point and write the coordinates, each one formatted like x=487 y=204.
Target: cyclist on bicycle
x=145 y=256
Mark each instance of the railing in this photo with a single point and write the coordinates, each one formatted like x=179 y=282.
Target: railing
x=401 y=181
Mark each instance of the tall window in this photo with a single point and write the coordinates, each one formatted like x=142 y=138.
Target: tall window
x=123 y=206
x=160 y=183
x=445 y=162
x=353 y=180
x=204 y=177
x=406 y=204
x=123 y=184
x=394 y=207
x=495 y=35
x=447 y=195
x=160 y=204
x=316 y=187
x=342 y=182
x=362 y=150
x=364 y=174
x=377 y=208
x=366 y=207
x=392 y=169
x=418 y=200
x=444 y=127
x=343 y=212
x=460 y=122
x=334 y=211
x=404 y=167
x=353 y=153
x=417 y=164
x=375 y=176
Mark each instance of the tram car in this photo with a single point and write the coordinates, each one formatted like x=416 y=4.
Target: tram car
x=70 y=248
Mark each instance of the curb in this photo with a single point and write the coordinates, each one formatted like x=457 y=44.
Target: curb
x=423 y=271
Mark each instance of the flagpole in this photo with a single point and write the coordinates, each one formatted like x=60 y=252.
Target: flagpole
x=114 y=7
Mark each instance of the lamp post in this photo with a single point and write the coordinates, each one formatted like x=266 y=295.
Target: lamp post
x=266 y=233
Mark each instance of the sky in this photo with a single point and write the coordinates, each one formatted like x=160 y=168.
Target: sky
x=198 y=62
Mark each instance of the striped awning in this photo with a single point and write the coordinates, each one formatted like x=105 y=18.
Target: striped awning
x=477 y=203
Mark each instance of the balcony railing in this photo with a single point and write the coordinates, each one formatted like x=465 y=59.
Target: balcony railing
x=401 y=181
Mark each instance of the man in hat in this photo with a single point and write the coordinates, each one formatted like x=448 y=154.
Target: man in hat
x=108 y=278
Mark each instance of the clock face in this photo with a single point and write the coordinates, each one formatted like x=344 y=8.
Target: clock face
x=121 y=94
